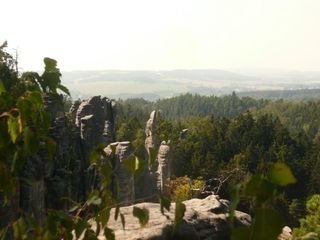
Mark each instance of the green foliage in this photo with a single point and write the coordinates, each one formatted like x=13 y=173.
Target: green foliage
x=109 y=234
x=132 y=163
x=261 y=189
x=178 y=214
x=184 y=188
x=281 y=174
x=297 y=116
x=310 y=225
x=165 y=203
x=142 y=214
x=24 y=124
x=250 y=142
x=24 y=128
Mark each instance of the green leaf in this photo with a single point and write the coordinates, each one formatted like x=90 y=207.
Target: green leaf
x=131 y=163
x=80 y=227
x=165 y=203
x=267 y=224
x=116 y=213
x=51 y=75
x=90 y=235
x=123 y=221
x=19 y=228
x=15 y=162
x=51 y=147
x=50 y=64
x=94 y=200
x=142 y=214
x=64 y=89
x=31 y=143
x=36 y=99
x=113 y=148
x=106 y=172
x=104 y=216
x=241 y=234
x=65 y=220
x=259 y=188
x=94 y=156
x=52 y=221
x=109 y=234
x=74 y=208
x=281 y=174
x=2 y=88
x=25 y=106
x=152 y=156
x=13 y=128
x=3 y=233
x=235 y=199
x=179 y=214
x=310 y=236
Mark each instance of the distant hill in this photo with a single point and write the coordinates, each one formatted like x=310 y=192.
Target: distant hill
x=299 y=94
x=154 y=85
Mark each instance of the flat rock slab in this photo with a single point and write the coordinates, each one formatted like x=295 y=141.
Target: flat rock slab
x=204 y=219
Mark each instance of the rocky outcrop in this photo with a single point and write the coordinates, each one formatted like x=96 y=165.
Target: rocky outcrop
x=125 y=192
x=45 y=177
x=93 y=124
x=286 y=233
x=164 y=160
x=48 y=179
x=205 y=219
x=151 y=137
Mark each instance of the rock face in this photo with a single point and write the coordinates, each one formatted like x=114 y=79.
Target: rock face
x=205 y=219
x=164 y=159
x=46 y=183
x=125 y=193
x=154 y=177
x=94 y=124
x=151 y=137
x=50 y=179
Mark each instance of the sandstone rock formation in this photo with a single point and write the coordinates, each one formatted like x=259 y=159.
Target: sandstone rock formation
x=151 y=137
x=164 y=159
x=125 y=193
x=286 y=233
x=94 y=124
x=205 y=219
x=47 y=183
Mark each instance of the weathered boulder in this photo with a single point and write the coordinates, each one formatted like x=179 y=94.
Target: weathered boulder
x=205 y=219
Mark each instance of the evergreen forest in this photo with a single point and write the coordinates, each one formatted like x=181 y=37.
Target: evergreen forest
x=233 y=137
x=220 y=141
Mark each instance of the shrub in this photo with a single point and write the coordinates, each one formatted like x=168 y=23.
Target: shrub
x=184 y=188
x=310 y=225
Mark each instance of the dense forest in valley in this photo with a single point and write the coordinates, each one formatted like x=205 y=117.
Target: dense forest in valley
x=232 y=132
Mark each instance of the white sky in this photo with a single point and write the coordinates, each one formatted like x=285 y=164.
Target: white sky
x=164 y=34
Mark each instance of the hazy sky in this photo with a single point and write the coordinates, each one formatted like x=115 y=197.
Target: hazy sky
x=164 y=34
